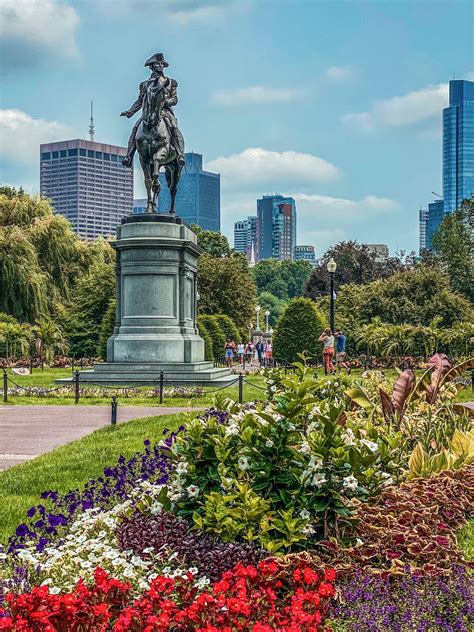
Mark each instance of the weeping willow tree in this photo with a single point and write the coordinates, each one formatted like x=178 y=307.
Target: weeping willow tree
x=40 y=256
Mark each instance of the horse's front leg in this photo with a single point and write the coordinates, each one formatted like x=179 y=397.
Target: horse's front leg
x=156 y=186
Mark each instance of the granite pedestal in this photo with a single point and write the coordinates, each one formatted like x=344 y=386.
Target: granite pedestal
x=155 y=328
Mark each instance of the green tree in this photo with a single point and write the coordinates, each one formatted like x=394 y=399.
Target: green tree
x=213 y=243
x=284 y=279
x=226 y=286
x=355 y=264
x=106 y=328
x=273 y=304
x=228 y=327
x=15 y=339
x=298 y=330
x=86 y=310
x=453 y=244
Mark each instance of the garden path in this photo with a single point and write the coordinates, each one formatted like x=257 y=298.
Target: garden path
x=28 y=431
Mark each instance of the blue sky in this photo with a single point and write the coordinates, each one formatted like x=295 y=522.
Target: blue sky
x=336 y=103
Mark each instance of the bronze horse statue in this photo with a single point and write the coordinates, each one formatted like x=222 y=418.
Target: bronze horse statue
x=156 y=149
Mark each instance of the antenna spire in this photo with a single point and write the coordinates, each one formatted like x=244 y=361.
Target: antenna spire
x=91 y=123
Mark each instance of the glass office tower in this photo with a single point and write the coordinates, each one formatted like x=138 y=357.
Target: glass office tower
x=276 y=227
x=87 y=183
x=458 y=145
x=198 y=200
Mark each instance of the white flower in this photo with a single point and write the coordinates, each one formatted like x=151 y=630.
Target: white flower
x=359 y=542
x=193 y=491
x=149 y=549
x=232 y=429
x=315 y=463
x=311 y=427
x=243 y=463
x=307 y=530
x=304 y=448
x=156 y=508
x=373 y=447
x=273 y=389
x=318 y=480
x=269 y=443
x=54 y=590
x=350 y=482
x=388 y=480
x=348 y=437
x=182 y=468
x=304 y=514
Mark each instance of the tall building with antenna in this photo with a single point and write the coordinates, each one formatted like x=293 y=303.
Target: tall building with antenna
x=87 y=183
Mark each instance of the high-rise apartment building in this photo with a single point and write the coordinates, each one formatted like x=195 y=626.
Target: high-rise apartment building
x=458 y=145
x=87 y=183
x=379 y=250
x=276 y=227
x=306 y=253
x=198 y=200
x=245 y=235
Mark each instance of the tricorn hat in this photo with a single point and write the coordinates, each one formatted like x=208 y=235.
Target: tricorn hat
x=156 y=57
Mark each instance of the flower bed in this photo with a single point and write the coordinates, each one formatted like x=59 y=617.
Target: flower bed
x=238 y=520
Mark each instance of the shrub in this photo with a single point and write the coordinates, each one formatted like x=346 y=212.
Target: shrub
x=275 y=474
x=216 y=333
x=228 y=327
x=204 y=333
x=412 y=524
x=106 y=328
x=298 y=330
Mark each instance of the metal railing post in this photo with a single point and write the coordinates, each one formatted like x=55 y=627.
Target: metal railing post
x=241 y=388
x=76 y=387
x=5 y=385
x=114 y=405
x=162 y=380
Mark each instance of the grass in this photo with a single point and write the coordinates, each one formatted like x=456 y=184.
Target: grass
x=252 y=391
x=466 y=540
x=72 y=465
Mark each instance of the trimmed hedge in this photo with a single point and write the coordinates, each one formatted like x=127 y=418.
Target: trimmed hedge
x=205 y=335
x=106 y=329
x=228 y=327
x=298 y=330
x=216 y=333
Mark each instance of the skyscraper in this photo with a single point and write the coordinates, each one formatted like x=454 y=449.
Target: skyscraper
x=458 y=145
x=87 y=183
x=198 y=200
x=430 y=219
x=245 y=234
x=276 y=227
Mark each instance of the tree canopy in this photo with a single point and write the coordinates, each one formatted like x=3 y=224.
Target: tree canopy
x=355 y=264
x=284 y=279
x=213 y=243
x=226 y=286
x=453 y=248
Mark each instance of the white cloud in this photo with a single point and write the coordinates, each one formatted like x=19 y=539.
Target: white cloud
x=31 y=28
x=408 y=109
x=325 y=206
x=262 y=166
x=176 y=12
x=253 y=95
x=21 y=135
x=339 y=74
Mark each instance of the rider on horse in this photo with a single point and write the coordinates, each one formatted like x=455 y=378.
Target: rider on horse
x=157 y=63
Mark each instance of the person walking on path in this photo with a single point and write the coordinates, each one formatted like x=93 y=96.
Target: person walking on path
x=328 y=350
x=268 y=353
x=259 y=348
x=240 y=353
x=249 y=351
x=341 y=350
x=229 y=349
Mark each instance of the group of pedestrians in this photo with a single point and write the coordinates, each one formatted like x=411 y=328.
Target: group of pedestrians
x=246 y=353
x=333 y=344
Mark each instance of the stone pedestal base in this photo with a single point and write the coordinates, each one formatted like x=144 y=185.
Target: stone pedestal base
x=155 y=328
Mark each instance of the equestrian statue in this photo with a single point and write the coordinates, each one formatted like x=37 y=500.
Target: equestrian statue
x=156 y=135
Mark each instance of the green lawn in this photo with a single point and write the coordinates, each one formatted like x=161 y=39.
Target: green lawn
x=46 y=378
x=72 y=465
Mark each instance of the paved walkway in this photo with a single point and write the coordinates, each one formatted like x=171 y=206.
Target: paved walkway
x=28 y=431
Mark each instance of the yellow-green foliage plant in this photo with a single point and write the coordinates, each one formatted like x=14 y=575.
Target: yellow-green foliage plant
x=459 y=453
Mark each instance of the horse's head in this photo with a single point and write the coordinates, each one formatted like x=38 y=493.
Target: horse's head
x=153 y=104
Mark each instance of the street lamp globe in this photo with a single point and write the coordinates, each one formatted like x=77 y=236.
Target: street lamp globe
x=332 y=266
x=267 y=313
x=257 y=308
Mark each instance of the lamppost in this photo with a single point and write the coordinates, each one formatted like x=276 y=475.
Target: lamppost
x=250 y=331
x=331 y=267
x=257 y=309
x=267 y=314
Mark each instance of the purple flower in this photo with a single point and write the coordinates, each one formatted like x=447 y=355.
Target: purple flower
x=22 y=530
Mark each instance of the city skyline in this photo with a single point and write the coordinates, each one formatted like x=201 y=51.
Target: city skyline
x=338 y=120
